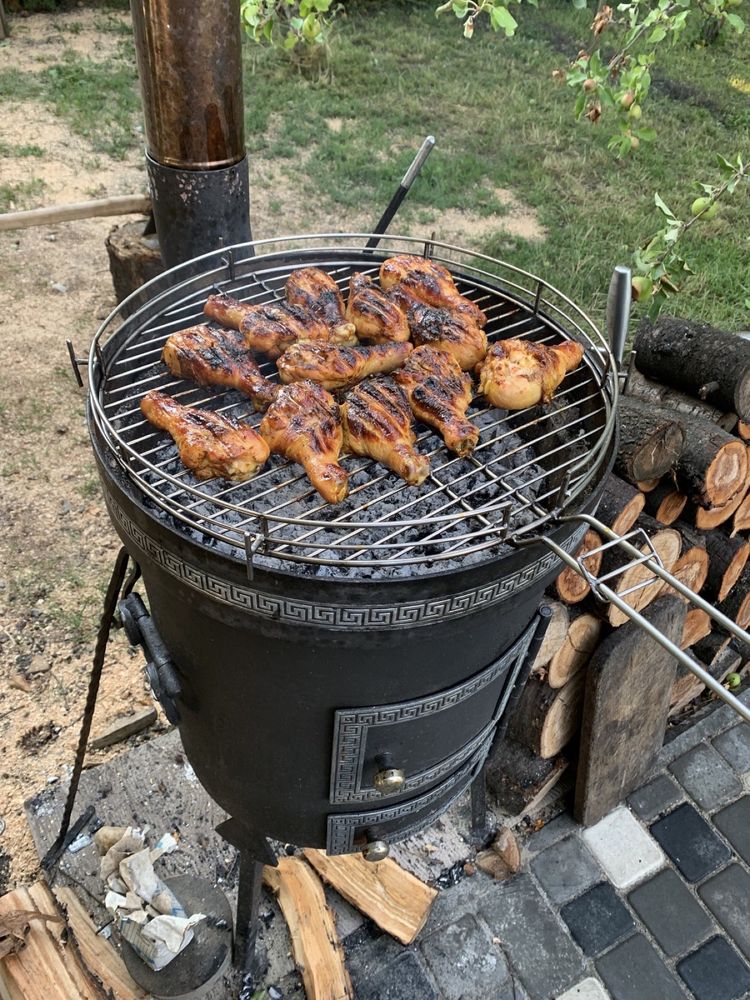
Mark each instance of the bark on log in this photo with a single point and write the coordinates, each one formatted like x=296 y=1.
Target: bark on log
x=697 y=359
x=134 y=258
x=665 y=503
x=546 y=719
x=571 y=587
x=705 y=520
x=736 y=605
x=575 y=651
x=554 y=637
x=712 y=466
x=651 y=440
x=620 y=505
x=691 y=569
x=697 y=626
x=516 y=776
x=663 y=395
x=667 y=543
x=727 y=557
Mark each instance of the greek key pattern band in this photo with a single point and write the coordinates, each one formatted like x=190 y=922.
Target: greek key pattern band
x=339 y=616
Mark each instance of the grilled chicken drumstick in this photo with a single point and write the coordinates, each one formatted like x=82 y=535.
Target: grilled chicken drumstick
x=339 y=367
x=209 y=443
x=304 y=425
x=376 y=317
x=443 y=329
x=431 y=283
x=439 y=394
x=378 y=424
x=268 y=328
x=317 y=293
x=211 y=358
x=520 y=373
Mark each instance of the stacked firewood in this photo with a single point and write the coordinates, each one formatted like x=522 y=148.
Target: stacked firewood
x=682 y=475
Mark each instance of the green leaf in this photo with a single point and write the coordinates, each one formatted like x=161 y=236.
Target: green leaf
x=664 y=209
x=657 y=35
x=736 y=21
x=502 y=19
x=647 y=134
x=579 y=4
x=579 y=105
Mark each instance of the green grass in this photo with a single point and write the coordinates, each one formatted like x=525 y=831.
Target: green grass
x=22 y=151
x=14 y=197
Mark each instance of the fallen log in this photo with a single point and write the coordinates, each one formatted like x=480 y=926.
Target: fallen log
x=712 y=466
x=698 y=359
x=575 y=650
x=546 y=719
x=658 y=394
x=554 y=636
x=620 y=505
x=397 y=901
x=651 y=441
x=665 y=503
x=570 y=586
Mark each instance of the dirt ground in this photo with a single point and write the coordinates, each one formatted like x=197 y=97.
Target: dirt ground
x=56 y=543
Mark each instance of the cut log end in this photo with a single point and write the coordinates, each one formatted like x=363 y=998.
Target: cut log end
x=575 y=650
x=667 y=543
x=571 y=587
x=697 y=626
x=726 y=474
x=691 y=569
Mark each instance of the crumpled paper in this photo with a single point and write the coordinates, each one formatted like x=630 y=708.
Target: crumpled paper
x=147 y=912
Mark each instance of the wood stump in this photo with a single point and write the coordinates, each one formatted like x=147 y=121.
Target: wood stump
x=134 y=258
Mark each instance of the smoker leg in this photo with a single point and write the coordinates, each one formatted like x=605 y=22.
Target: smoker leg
x=246 y=928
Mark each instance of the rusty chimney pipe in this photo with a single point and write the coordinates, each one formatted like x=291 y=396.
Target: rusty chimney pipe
x=189 y=56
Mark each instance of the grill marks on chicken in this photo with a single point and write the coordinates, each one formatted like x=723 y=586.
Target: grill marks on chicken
x=208 y=443
x=270 y=328
x=378 y=424
x=209 y=357
x=339 y=367
x=520 y=373
x=443 y=329
x=439 y=394
x=304 y=425
x=375 y=315
x=318 y=294
x=431 y=283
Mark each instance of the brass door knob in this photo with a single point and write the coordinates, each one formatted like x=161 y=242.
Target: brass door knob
x=376 y=850
x=389 y=780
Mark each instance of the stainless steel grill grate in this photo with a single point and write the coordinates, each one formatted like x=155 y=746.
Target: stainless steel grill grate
x=527 y=467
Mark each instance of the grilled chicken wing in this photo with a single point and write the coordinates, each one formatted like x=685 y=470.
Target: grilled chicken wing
x=211 y=358
x=304 y=425
x=443 y=329
x=317 y=293
x=431 y=283
x=268 y=328
x=376 y=317
x=339 y=367
x=378 y=424
x=209 y=443
x=439 y=394
x=520 y=373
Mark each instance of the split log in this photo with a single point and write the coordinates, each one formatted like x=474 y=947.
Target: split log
x=571 y=587
x=517 y=778
x=628 y=684
x=554 y=636
x=708 y=519
x=691 y=569
x=663 y=395
x=667 y=543
x=687 y=687
x=620 y=505
x=546 y=719
x=697 y=626
x=575 y=651
x=651 y=440
x=743 y=430
x=707 y=649
x=736 y=605
x=665 y=503
x=134 y=258
x=123 y=727
x=712 y=466
x=396 y=900
x=741 y=516
x=646 y=485
x=697 y=359
x=727 y=557
x=315 y=944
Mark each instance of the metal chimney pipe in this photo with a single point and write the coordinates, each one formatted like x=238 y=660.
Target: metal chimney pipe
x=189 y=56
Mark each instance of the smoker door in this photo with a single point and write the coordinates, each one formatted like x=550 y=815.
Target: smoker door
x=427 y=738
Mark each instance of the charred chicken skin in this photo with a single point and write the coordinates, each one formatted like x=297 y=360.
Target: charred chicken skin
x=443 y=329
x=270 y=328
x=520 y=373
x=339 y=367
x=431 y=283
x=439 y=394
x=209 y=357
x=210 y=444
x=317 y=293
x=376 y=317
x=304 y=425
x=378 y=424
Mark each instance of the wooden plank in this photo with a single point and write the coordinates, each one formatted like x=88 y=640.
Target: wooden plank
x=397 y=901
x=126 y=725
x=315 y=945
x=118 y=205
x=628 y=687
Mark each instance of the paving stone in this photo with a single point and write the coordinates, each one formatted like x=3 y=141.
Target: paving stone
x=566 y=869
x=704 y=775
x=718 y=721
x=464 y=960
x=715 y=972
x=587 y=989
x=690 y=842
x=655 y=798
x=671 y=912
x=623 y=848
x=734 y=746
x=557 y=828
x=597 y=919
x=634 y=971
x=734 y=823
x=727 y=895
x=403 y=979
x=540 y=949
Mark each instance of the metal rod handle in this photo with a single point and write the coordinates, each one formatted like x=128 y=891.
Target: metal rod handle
x=401 y=192
x=618 y=310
